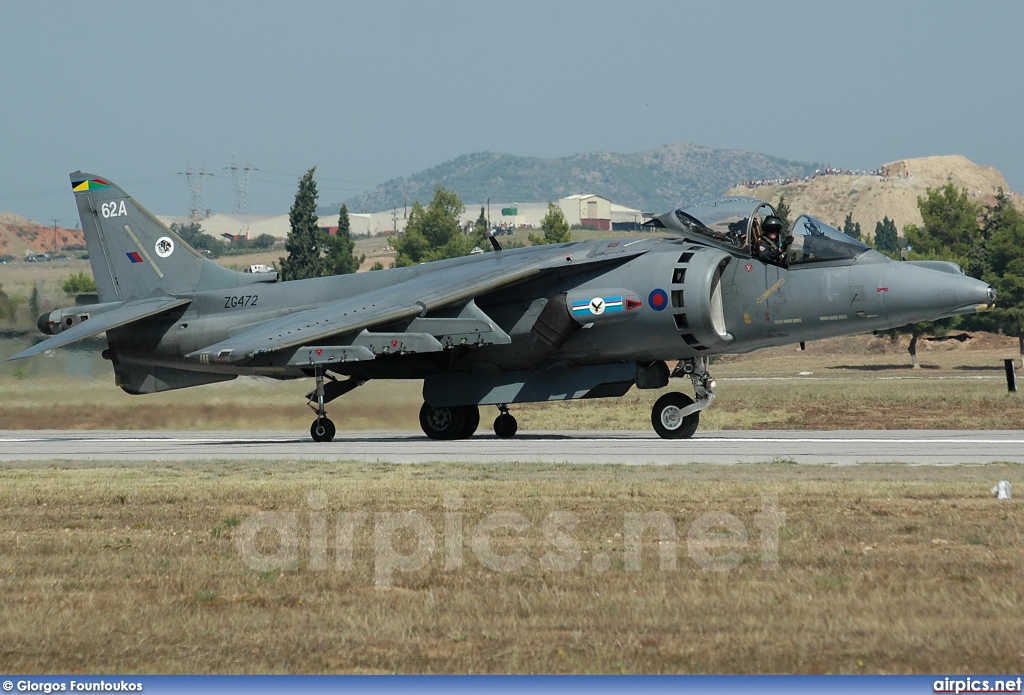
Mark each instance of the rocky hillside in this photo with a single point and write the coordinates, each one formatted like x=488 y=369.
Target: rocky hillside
x=19 y=236
x=656 y=180
x=894 y=193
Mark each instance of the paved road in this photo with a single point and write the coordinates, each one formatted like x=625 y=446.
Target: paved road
x=626 y=447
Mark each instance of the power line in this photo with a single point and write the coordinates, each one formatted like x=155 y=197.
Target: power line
x=240 y=178
x=195 y=178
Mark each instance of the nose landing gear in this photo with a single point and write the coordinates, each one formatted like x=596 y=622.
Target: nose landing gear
x=676 y=415
x=505 y=424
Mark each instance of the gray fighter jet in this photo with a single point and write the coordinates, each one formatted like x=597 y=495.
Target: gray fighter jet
x=579 y=320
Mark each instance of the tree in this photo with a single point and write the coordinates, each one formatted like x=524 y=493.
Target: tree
x=950 y=232
x=433 y=233
x=555 y=227
x=79 y=283
x=8 y=306
x=340 y=257
x=480 y=226
x=481 y=232
x=192 y=234
x=851 y=228
x=951 y=228
x=1004 y=225
x=305 y=239
x=782 y=212
x=263 y=241
x=886 y=237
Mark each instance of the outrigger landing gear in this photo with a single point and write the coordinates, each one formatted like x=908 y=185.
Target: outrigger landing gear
x=676 y=415
x=505 y=424
x=322 y=429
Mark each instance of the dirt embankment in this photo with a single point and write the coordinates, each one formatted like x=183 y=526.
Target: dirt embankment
x=20 y=236
x=892 y=194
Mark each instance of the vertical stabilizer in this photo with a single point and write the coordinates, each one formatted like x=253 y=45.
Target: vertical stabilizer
x=133 y=254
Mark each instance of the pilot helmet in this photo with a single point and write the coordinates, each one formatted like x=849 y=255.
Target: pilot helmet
x=771 y=225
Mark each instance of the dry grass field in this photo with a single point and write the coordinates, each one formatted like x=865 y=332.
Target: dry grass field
x=146 y=568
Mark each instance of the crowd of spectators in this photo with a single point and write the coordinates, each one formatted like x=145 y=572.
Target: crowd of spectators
x=827 y=171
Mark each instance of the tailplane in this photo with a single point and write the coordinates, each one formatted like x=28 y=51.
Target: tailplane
x=133 y=254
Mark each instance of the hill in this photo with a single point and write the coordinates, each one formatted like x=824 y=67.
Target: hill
x=655 y=180
x=20 y=236
x=893 y=193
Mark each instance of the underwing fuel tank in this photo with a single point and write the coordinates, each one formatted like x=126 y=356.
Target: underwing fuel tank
x=913 y=291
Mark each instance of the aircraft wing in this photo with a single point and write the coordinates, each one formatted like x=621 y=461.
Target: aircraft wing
x=121 y=316
x=405 y=300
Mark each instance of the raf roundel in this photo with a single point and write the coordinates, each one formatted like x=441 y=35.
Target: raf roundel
x=164 y=246
x=658 y=299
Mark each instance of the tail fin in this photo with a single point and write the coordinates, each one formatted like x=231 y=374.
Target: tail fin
x=133 y=254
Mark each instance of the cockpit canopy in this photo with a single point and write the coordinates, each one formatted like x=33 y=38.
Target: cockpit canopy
x=725 y=220
x=813 y=241
x=735 y=223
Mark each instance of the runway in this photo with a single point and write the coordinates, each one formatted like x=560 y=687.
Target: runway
x=919 y=447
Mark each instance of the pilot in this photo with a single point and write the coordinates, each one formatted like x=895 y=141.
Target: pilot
x=768 y=248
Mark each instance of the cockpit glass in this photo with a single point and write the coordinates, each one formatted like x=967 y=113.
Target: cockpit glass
x=728 y=220
x=813 y=241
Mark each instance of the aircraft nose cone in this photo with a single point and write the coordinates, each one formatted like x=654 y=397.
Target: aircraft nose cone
x=916 y=293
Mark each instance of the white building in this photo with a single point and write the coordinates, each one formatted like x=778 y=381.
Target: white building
x=588 y=209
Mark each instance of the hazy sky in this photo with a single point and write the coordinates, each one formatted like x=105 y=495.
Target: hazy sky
x=372 y=90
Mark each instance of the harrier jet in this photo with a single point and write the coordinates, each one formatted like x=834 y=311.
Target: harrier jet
x=589 y=319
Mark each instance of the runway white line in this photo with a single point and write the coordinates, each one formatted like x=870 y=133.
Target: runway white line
x=356 y=436
x=603 y=447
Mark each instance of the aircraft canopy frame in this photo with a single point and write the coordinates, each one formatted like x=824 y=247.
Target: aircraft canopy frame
x=732 y=222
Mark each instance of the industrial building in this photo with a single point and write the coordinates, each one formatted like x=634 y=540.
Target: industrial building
x=586 y=209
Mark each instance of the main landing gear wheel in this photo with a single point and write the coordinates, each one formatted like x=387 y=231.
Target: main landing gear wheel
x=449 y=422
x=505 y=425
x=472 y=422
x=322 y=430
x=667 y=417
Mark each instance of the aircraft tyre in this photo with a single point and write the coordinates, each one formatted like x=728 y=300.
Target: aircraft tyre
x=667 y=418
x=322 y=430
x=472 y=422
x=505 y=426
x=444 y=423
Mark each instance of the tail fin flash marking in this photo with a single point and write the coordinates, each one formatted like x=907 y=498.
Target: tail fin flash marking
x=134 y=256
x=145 y=253
x=88 y=185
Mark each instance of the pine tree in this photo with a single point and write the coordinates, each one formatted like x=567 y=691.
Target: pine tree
x=341 y=259
x=950 y=228
x=480 y=231
x=886 y=236
x=1004 y=227
x=555 y=227
x=782 y=212
x=480 y=227
x=305 y=239
x=851 y=228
